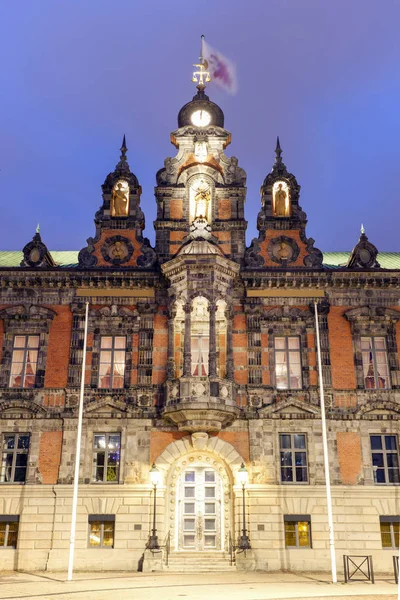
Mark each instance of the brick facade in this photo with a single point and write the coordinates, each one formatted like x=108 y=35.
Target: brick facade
x=201 y=357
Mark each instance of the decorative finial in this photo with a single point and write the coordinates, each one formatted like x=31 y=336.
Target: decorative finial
x=201 y=76
x=38 y=228
x=278 y=150
x=123 y=149
x=362 y=229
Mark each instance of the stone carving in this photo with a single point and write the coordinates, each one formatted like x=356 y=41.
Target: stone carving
x=281 y=204
x=36 y=253
x=283 y=250
x=202 y=199
x=117 y=250
x=315 y=257
x=364 y=254
x=148 y=257
x=120 y=199
x=252 y=257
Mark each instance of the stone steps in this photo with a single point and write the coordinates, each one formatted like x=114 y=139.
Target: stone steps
x=199 y=562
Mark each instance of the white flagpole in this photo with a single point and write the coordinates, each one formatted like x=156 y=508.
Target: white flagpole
x=78 y=453
x=326 y=456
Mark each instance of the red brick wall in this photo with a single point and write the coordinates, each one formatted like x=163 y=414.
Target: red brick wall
x=349 y=456
x=341 y=350
x=59 y=348
x=224 y=208
x=159 y=440
x=50 y=455
x=225 y=238
x=312 y=358
x=175 y=209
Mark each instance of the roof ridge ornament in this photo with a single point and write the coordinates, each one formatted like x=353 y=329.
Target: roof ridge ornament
x=363 y=255
x=278 y=151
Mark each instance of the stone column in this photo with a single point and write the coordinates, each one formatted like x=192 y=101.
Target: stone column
x=187 y=350
x=212 y=355
x=171 y=344
x=229 y=349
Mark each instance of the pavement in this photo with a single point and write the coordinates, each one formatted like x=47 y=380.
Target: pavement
x=192 y=586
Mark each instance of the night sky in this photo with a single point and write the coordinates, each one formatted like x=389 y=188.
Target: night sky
x=75 y=76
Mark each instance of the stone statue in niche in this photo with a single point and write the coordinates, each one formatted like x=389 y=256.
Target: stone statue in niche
x=202 y=200
x=120 y=199
x=281 y=200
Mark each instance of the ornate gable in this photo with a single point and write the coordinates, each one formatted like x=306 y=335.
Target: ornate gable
x=282 y=240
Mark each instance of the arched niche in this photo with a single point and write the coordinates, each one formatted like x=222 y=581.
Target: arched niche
x=200 y=198
x=281 y=199
x=120 y=199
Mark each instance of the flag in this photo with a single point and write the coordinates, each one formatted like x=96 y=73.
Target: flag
x=221 y=69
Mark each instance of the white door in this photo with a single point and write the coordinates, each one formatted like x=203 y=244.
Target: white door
x=199 y=509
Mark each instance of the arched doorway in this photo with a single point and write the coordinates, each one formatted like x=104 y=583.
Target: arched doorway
x=200 y=504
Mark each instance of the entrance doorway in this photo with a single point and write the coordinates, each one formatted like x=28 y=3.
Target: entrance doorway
x=199 y=501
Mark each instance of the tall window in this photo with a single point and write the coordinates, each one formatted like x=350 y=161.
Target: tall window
x=106 y=457
x=112 y=361
x=254 y=350
x=101 y=531
x=375 y=363
x=9 y=531
x=288 y=363
x=293 y=456
x=200 y=340
x=146 y=334
x=24 y=361
x=389 y=531
x=297 y=531
x=385 y=458
x=14 y=460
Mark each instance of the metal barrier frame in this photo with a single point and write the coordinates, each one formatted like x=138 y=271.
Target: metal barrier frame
x=396 y=568
x=368 y=576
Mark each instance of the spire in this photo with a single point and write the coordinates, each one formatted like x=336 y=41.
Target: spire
x=38 y=228
x=278 y=151
x=201 y=76
x=362 y=230
x=123 y=162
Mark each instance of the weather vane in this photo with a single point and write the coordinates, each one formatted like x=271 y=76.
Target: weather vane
x=202 y=76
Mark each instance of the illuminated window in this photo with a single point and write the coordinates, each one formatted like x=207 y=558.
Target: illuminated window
x=145 y=371
x=112 y=361
x=390 y=531
x=297 y=531
x=24 y=361
x=288 y=363
x=293 y=457
x=9 y=531
x=385 y=458
x=106 y=457
x=200 y=341
x=14 y=458
x=254 y=350
x=375 y=363
x=101 y=531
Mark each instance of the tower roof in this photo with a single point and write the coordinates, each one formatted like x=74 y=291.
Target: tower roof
x=201 y=102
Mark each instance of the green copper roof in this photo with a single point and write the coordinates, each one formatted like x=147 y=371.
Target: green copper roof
x=69 y=258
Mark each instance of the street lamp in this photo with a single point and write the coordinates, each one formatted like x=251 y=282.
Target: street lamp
x=155 y=478
x=243 y=478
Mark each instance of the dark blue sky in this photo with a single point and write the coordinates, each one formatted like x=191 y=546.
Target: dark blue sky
x=76 y=75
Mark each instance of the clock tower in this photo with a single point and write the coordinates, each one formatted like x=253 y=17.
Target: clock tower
x=200 y=189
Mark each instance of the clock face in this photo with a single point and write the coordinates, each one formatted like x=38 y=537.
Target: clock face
x=201 y=118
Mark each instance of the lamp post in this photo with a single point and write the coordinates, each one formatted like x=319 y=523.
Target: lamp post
x=243 y=477
x=155 y=480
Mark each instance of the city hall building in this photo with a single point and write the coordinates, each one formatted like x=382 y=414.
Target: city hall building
x=202 y=361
